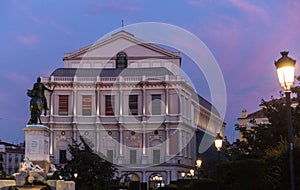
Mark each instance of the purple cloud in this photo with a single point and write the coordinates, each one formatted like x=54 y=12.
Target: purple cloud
x=28 y=40
x=250 y=8
x=97 y=8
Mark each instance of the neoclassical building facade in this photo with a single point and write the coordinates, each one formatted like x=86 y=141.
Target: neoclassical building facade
x=126 y=97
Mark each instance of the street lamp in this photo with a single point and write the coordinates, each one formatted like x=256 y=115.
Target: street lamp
x=218 y=144
x=285 y=67
x=182 y=174
x=192 y=173
x=198 y=166
x=76 y=175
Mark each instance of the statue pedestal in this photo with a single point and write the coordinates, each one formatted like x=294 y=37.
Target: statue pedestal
x=37 y=145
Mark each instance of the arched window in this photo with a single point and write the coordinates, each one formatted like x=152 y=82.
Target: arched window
x=121 y=61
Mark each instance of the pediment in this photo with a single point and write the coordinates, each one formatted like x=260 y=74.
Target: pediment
x=121 y=41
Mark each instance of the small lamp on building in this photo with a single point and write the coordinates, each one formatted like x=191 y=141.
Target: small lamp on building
x=198 y=166
x=285 y=67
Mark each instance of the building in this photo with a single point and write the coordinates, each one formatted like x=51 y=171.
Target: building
x=252 y=120
x=10 y=157
x=126 y=96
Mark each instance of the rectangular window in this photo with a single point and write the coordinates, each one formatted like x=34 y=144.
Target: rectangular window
x=133 y=105
x=62 y=156
x=63 y=104
x=86 y=105
x=109 y=104
x=132 y=156
x=110 y=155
x=156 y=104
x=156 y=156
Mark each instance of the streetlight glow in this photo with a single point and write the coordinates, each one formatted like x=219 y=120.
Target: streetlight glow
x=198 y=163
x=192 y=172
x=218 y=142
x=285 y=67
x=182 y=174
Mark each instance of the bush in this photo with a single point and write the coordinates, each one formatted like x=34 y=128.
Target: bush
x=243 y=174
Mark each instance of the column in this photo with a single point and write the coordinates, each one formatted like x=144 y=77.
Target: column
x=167 y=99
x=51 y=143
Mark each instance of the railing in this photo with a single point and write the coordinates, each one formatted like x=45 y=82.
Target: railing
x=135 y=79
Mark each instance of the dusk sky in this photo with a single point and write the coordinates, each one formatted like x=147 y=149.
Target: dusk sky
x=244 y=36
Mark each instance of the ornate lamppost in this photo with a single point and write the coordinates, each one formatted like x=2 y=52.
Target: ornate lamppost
x=218 y=144
x=285 y=67
x=182 y=174
x=75 y=176
x=198 y=166
x=192 y=173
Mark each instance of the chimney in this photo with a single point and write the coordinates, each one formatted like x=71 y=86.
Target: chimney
x=244 y=113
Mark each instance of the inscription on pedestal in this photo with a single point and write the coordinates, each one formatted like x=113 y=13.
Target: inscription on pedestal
x=34 y=147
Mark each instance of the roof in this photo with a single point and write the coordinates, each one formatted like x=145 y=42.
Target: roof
x=206 y=104
x=111 y=72
x=124 y=35
x=258 y=114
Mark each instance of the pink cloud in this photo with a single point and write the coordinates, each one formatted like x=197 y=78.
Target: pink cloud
x=97 y=7
x=60 y=26
x=17 y=78
x=29 y=40
x=250 y=8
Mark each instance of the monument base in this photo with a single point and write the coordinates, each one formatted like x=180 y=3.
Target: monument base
x=37 y=140
x=43 y=164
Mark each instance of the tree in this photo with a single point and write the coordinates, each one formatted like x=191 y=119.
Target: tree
x=94 y=172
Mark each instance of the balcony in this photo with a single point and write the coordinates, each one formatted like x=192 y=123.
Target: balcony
x=134 y=79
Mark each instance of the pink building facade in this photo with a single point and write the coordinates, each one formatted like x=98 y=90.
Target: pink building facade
x=128 y=99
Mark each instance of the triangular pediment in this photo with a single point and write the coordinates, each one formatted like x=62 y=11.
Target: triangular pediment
x=121 y=41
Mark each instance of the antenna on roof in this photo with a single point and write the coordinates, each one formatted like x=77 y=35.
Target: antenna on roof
x=122 y=24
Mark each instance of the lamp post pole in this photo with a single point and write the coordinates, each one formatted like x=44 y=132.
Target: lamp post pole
x=290 y=138
x=218 y=145
x=285 y=67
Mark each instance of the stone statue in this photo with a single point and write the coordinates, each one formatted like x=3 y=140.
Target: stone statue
x=28 y=166
x=38 y=101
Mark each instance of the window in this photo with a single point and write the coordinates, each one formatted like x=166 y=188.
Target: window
x=132 y=156
x=109 y=104
x=63 y=104
x=62 y=156
x=133 y=105
x=87 y=105
x=156 y=156
x=156 y=104
x=110 y=155
x=121 y=61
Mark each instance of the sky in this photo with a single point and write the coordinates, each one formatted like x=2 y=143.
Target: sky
x=245 y=36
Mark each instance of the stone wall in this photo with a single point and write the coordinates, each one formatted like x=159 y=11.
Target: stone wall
x=54 y=184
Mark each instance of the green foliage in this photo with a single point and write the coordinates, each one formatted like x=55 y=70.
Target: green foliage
x=277 y=166
x=94 y=172
x=195 y=184
x=243 y=174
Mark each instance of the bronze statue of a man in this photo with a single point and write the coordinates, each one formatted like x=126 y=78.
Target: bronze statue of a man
x=39 y=91
x=38 y=101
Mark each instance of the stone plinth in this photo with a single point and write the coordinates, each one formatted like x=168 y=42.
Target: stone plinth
x=37 y=140
x=6 y=184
